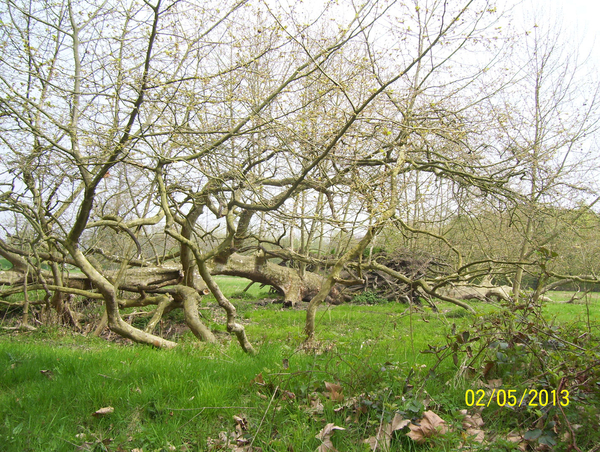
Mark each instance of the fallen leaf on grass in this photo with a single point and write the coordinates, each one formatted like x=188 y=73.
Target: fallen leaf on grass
x=398 y=423
x=429 y=427
x=518 y=439
x=316 y=407
x=288 y=395
x=238 y=441
x=566 y=437
x=258 y=380
x=325 y=436
x=351 y=403
x=335 y=392
x=103 y=411
x=494 y=384
x=384 y=434
x=514 y=438
x=472 y=423
x=241 y=424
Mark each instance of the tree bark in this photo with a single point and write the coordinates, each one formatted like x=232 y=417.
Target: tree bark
x=190 y=299
x=232 y=325
x=285 y=280
x=115 y=322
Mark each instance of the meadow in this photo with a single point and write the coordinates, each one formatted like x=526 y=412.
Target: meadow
x=370 y=381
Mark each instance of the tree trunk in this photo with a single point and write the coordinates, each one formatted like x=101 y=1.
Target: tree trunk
x=115 y=322
x=232 y=325
x=285 y=280
x=190 y=299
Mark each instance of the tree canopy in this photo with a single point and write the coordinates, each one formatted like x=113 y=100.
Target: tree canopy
x=149 y=146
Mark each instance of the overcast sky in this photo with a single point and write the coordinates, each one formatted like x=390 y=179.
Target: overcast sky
x=580 y=21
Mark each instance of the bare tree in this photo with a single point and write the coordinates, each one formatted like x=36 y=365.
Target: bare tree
x=153 y=146
x=546 y=120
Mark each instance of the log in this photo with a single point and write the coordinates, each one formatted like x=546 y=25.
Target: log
x=287 y=281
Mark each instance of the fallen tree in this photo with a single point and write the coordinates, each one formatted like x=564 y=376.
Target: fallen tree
x=294 y=286
x=219 y=148
x=485 y=291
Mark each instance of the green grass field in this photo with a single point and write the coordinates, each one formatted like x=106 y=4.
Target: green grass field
x=201 y=397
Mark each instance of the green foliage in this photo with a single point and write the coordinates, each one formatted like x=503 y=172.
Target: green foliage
x=184 y=398
x=376 y=250
x=546 y=363
x=369 y=297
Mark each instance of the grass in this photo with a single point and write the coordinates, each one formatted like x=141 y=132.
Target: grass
x=52 y=380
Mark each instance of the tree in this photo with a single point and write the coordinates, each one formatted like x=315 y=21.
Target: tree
x=547 y=128
x=152 y=146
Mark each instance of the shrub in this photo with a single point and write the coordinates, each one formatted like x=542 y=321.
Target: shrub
x=369 y=297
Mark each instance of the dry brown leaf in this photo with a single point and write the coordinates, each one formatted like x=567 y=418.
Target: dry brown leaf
x=223 y=437
x=471 y=420
x=335 y=392
x=379 y=441
x=241 y=424
x=514 y=438
x=517 y=439
x=477 y=434
x=472 y=423
x=288 y=395
x=383 y=438
x=326 y=446
x=241 y=442
x=430 y=426
x=103 y=411
x=328 y=430
x=494 y=384
x=325 y=436
x=398 y=423
x=316 y=407
x=258 y=380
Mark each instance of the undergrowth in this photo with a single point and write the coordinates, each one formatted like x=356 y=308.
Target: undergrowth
x=383 y=373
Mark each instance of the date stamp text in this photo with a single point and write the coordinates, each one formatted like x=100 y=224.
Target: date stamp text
x=512 y=398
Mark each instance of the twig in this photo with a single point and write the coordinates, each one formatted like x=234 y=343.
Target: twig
x=226 y=355
x=564 y=341
x=561 y=385
x=213 y=408
x=193 y=417
x=264 y=415
x=380 y=430
x=108 y=376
